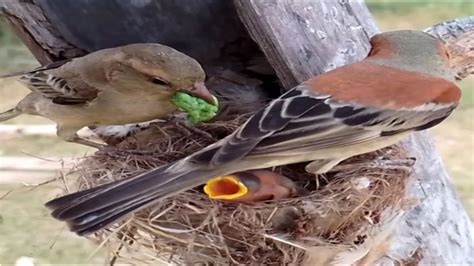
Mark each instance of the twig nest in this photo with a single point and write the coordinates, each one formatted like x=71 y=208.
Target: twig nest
x=343 y=216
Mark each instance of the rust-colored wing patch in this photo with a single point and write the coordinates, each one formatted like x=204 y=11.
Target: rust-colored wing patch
x=385 y=87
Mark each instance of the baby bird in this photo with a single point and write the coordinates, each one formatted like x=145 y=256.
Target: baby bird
x=404 y=85
x=251 y=186
x=122 y=85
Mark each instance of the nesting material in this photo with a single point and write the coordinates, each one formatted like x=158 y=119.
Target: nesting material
x=337 y=211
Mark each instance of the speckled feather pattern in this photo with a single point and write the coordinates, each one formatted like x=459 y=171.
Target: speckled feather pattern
x=351 y=110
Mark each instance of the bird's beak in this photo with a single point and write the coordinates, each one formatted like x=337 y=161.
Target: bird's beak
x=226 y=188
x=200 y=90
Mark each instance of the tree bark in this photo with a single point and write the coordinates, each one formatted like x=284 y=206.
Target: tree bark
x=458 y=34
x=305 y=38
x=37 y=33
x=57 y=28
x=299 y=38
x=208 y=30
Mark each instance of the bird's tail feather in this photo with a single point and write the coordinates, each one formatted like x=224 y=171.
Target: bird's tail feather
x=93 y=209
x=12 y=113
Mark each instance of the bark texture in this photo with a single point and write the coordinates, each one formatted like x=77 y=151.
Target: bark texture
x=306 y=38
x=39 y=35
x=199 y=28
x=300 y=39
x=458 y=34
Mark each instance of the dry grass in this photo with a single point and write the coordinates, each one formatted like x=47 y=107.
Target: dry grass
x=191 y=228
x=25 y=210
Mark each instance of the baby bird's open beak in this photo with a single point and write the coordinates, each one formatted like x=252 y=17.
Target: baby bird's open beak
x=226 y=188
x=200 y=90
x=251 y=186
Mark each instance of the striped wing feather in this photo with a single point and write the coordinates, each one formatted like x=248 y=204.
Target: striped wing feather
x=304 y=121
x=53 y=87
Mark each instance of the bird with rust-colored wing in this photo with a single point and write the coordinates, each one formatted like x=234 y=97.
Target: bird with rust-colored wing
x=403 y=85
x=122 y=85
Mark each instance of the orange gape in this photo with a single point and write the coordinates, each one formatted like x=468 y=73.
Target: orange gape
x=251 y=186
x=404 y=85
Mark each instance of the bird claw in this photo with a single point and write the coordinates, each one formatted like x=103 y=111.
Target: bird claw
x=188 y=130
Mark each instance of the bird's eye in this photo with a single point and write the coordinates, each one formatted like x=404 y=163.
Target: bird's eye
x=159 y=81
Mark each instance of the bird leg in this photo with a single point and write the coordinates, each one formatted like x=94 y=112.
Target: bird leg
x=69 y=134
x=180 y=125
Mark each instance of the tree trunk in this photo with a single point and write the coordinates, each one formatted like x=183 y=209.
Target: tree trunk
x=299 y=38
x=302 y=39
x=58 y=28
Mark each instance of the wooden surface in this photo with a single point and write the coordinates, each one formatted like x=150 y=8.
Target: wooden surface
x=300 y=39
x=208 y=30
x=37 y=33
x=199 y=28
x=304 y=38
x=458 y=34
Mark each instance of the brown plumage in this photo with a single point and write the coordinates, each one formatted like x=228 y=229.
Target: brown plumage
x=122 y=85
x=352 y=110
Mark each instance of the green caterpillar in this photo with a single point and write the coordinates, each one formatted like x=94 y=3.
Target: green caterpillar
x=197 y=109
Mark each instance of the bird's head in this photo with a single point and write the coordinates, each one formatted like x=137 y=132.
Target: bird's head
x=232 y=187
x=411 y=50
x=251 y=186
x=159 y=69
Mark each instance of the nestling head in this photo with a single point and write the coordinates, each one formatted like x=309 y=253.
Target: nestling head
x=251 y=186
x=159 y=68
x=413 y=49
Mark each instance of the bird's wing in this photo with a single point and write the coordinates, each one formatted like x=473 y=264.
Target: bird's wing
x=56 y=88
x=306 y=119
x=337 y=125
x=41 y=68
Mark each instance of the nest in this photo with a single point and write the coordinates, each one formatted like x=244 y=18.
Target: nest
x=339 y=209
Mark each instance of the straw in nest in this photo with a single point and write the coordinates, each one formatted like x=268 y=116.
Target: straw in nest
x=352 y=208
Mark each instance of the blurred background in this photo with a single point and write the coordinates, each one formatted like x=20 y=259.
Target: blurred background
x=25 y=160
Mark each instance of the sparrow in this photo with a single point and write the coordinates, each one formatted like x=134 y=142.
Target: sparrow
x=404 y=85
x=238 y=95
x=251 y=186
x=122 y=85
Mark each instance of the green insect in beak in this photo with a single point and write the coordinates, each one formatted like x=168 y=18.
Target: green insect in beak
x=197 y=109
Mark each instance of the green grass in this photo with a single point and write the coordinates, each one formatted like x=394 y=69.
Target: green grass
x=454 y=139
x=407 y=7
x=25 y=226
x=467 y=100
x=14 y=56
x=406 y=14
x=43 y=146
x=27 y=229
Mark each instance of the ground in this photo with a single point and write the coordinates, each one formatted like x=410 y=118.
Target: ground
x=25 y=226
